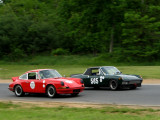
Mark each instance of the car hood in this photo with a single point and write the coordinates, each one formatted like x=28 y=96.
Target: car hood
x=71 y=82
x=129 y=77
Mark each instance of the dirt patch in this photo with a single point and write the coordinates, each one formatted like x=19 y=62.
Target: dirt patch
x=145 y=81
x=5 y=81
x=29 y=104
x=151 y=81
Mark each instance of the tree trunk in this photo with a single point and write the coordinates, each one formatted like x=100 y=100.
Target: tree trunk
x=112 y=40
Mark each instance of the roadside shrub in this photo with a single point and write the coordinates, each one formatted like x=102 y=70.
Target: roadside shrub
x=59 y=51
x=16 y=54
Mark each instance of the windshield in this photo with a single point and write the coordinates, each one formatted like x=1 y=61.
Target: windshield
x=110 y=70
x=49 y=74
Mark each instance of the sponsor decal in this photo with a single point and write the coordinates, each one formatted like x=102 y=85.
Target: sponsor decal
x=32 y=85
x=44 y=83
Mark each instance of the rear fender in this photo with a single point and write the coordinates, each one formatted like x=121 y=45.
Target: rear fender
x=15 y=86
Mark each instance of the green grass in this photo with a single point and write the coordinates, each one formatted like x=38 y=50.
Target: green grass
x=151 y=72
x=8 y=71
x=58 y=60
x=8 y=111
x=72 y=64
x=89 y=60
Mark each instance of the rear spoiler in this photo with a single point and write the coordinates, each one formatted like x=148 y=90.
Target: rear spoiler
x=14 y=78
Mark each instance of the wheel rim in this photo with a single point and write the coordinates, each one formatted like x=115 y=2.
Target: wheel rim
x=113 y=85
x=18 y=90
x=51 y=92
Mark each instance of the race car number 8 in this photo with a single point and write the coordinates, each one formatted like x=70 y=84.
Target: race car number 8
x=94 y=80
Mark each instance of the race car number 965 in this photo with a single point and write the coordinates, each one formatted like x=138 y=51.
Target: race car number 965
x=94 y=80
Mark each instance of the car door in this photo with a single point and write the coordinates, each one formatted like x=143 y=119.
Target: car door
x=95 y=78
x=30 y=83
x=40 y=84
x=34 y=84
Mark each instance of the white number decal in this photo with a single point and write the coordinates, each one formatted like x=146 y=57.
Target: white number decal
x=101 y=78
x=94 y=80
x=32 y=85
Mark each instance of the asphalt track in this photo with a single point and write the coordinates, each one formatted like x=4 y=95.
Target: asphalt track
x=147 y=95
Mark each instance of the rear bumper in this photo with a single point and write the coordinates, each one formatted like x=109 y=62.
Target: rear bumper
x=70 y=90
x=11 y=89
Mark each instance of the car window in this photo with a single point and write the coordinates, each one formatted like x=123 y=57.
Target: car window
x=87 y=72
x=23 y=77
x=49 y=74
x=32 y=75
x=95 y=72
x=111 y=70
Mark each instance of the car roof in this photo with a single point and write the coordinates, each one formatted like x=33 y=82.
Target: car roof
x=37 y=70
x=96 y=67
x=88 y=70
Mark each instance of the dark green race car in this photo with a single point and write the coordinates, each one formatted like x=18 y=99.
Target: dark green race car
x=109 y=76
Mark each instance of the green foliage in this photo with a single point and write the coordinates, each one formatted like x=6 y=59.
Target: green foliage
x=30 y=27
x=59 y=51
x=16 y=54
x=140 y=36
x=126 y=29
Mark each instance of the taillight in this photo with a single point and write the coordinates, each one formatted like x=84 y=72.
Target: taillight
x=82 y=81
x=62 y=83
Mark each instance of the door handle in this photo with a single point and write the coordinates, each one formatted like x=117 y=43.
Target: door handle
x=27 y=82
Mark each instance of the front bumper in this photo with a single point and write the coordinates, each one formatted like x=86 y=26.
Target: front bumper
x=129 y=83
x=70 y=90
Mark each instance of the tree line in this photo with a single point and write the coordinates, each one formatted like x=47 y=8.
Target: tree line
x=127 y=30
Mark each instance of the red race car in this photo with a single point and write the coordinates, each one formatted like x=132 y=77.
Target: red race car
x=47 y=81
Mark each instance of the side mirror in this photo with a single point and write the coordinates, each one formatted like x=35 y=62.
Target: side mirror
x=64 y=75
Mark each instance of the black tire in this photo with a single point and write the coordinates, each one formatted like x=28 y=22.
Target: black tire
x=113 y=84
x=74 y=94
x=18 y=91
x=51 y=91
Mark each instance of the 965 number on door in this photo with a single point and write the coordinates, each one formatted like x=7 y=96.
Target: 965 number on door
x=94 y=80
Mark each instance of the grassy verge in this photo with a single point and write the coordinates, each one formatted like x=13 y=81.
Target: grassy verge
x=8 y=71
x=10 y=111
x=90 y=60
